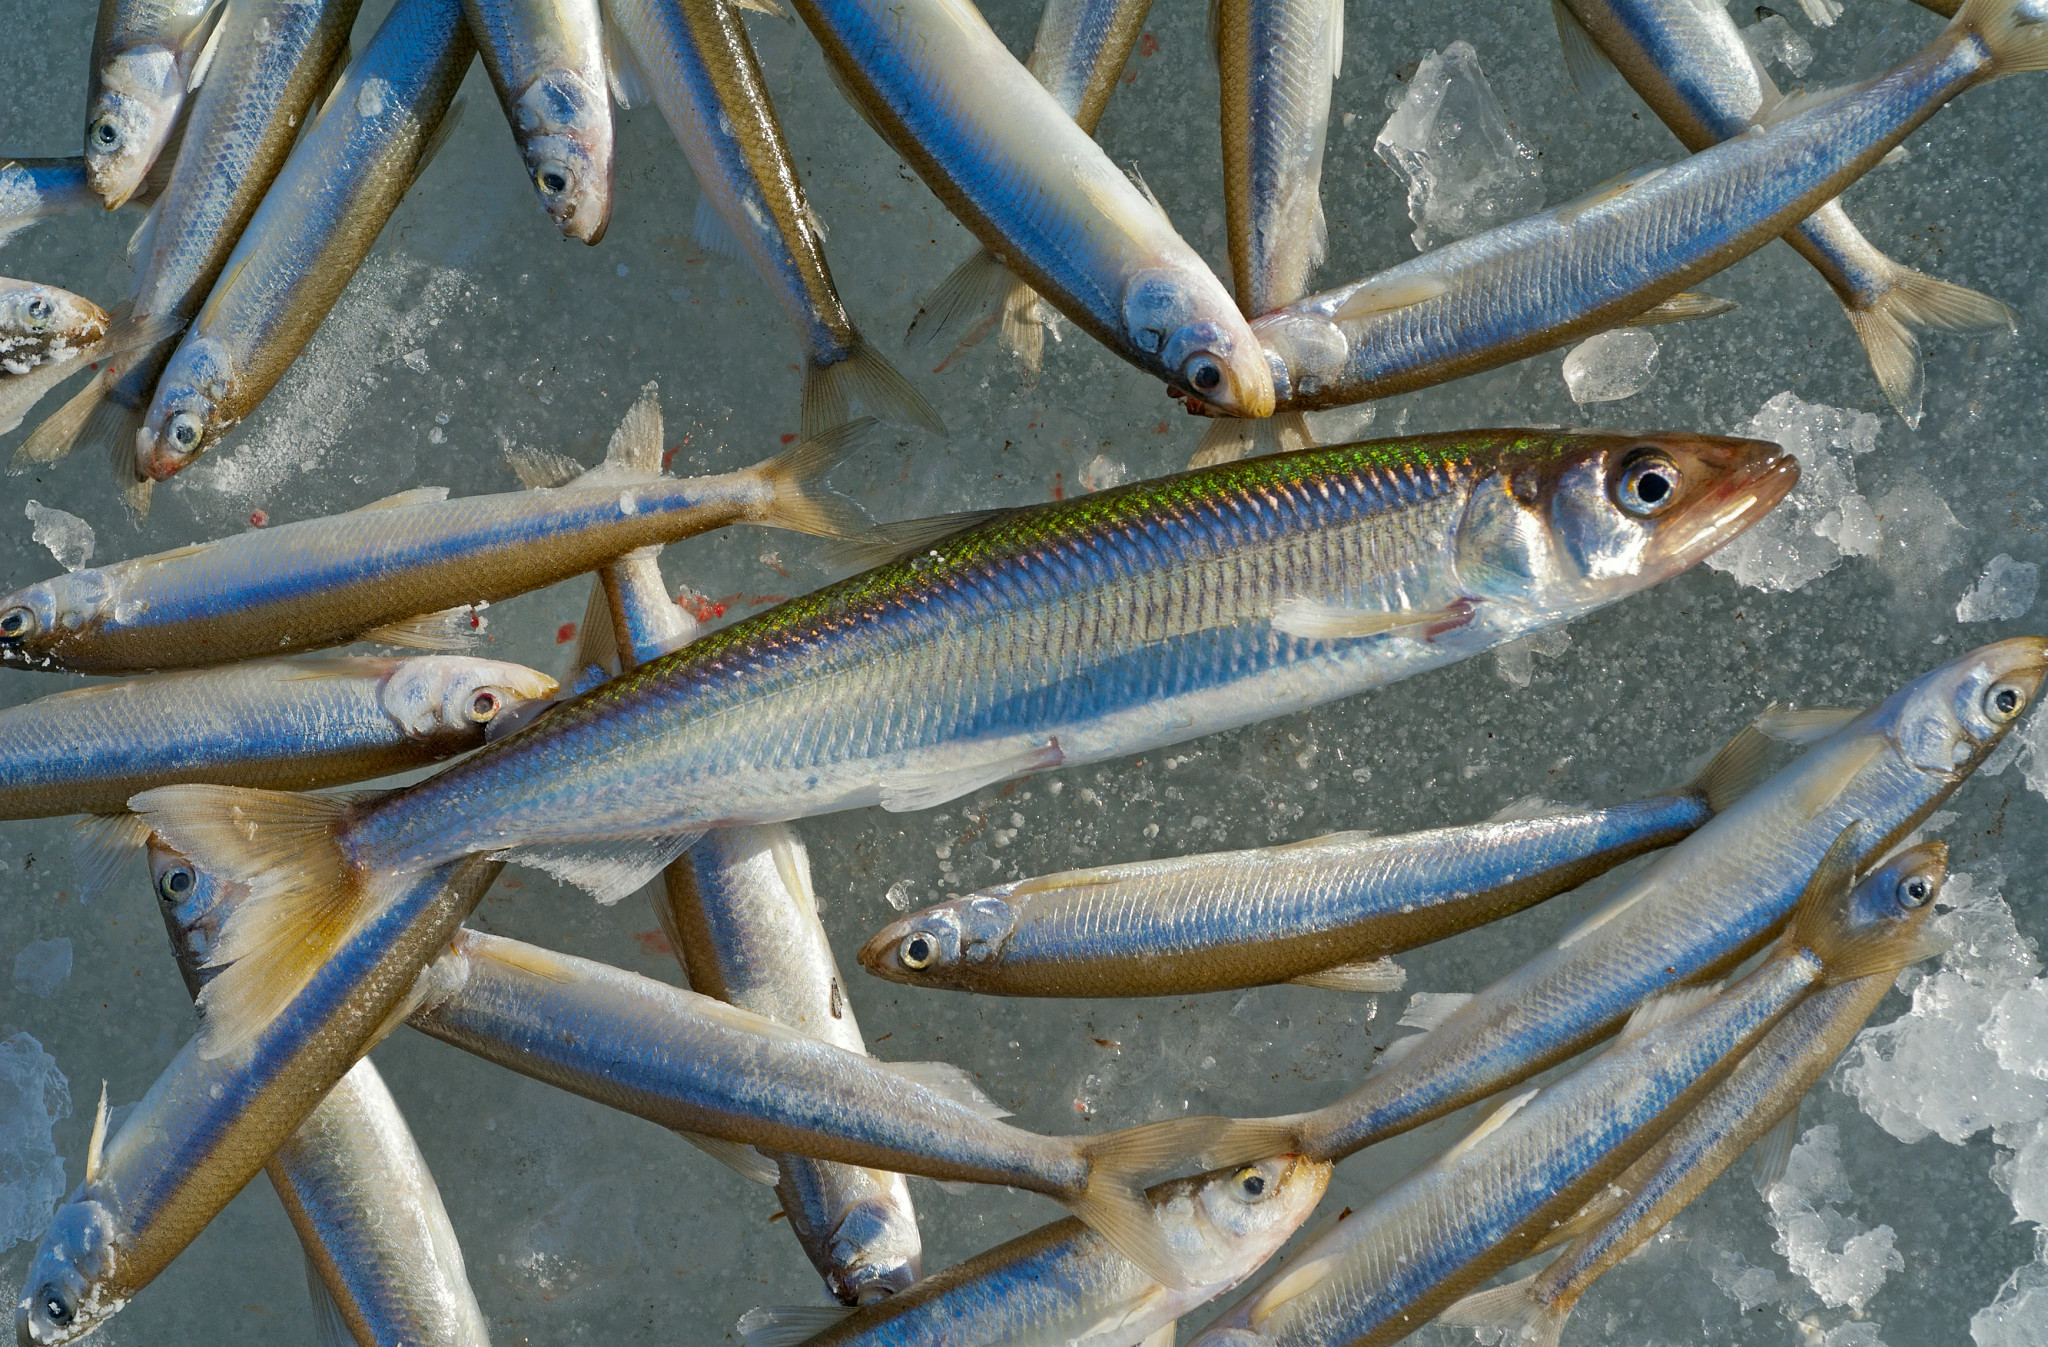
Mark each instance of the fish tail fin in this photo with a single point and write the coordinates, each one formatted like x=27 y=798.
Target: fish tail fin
x=304 y=901
x=1910 y=300
x=1120 y=1163
x=64 y=429
x=1730 y=774
x=1513 y=1310
x=980 y=296
x=799 y=500
x=864 y=374
x=2016 y=36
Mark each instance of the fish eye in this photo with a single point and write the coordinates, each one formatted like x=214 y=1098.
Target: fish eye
x=484 y=705
x=552 y=178
x=1251 y=1182
x=1648 y=484
x=1204 y=374
x=919 y=949
x=184 y=430
x=16 y=623
x=1914 y=891
x=55 y=1308
x=39 y=310
x=105 y=133
x=174 y=884
x=2003 y=703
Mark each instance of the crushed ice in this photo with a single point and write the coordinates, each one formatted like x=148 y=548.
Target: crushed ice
x=2006 y=590
x=1513 y=659
x=1772 y=40
x=1449 y=141
x=1611 y=365
x=34 y=1096
x=1843 y=1262
x=69 y=538
x=1825 y=518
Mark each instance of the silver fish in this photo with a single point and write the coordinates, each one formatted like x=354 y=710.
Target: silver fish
x=382 y=1261
x=1582 y=268
x=42 y=325
x=1326 y=912
x=1756 y=1106
x=367 y=145
x=546 y=60
x=1691 y=65
x=1063 y=1284
x=1706 y=904
x=146 y=56
x=1488 y=1202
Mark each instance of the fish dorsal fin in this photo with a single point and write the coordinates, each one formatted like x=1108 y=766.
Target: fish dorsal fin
x=885 y=543
x=1682 y=308
x=177 y=553
x=1212 y=31
x=772 y=8
x=630 y=86
x=1427 y=1010
x=419 y=495
x=539 y=469
x=1804 y=724
x=330 y=1329
x=1773 y=1150
x=1661 y=1010
x=450 y=629
x=96 y=1148
x=1592 y=73
x=1385 y=294
x=709 y=231
x=1732 y=772
x=635 y=448
x=607 y=870
x=1493 y=1122
x=1391 y=1055
x=102 y=845
x=787 y=1325
x=1366 y=975
x=742 y=1160
x=949 y=1082
x=1606 y=192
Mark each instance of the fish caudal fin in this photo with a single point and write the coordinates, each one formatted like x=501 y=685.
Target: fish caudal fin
x=1228 y=439
x=799 y=500
x=304 y=900
x=864 y=376
x=1514 y=1310
x=982 y=295
x=102 y=846
x=1913 y=300
x=2013 y=31
x=1732 y=772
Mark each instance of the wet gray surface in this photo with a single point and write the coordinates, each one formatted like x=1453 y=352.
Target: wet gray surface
x=472 y=324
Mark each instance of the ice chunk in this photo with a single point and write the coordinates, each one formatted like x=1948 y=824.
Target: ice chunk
x=2016 y=1317
x=1771 y=39
x=2024 y=1176
x=68 y=537
x=1922 y=537
x=1449 y=140
x=1843 y=1262
x=1611 y=366
x=2005 y=591
x=42 y=966
x=34 y=1096
x=1825 y=518
x=1512 y=659
x=1102 y=472
x=1851 y=1335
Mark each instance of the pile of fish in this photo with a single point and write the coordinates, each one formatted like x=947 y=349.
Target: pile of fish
x=1273 y=576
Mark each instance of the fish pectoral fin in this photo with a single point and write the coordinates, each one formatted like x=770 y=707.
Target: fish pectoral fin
x=1660 y=1010
x=1773 y=1150
x=330 y=1329
x=540 y=468
x=1607 y=191
x=709 y=231
x=1306 y=1277
x=1366 y=975
x=419 y=495
x=206 y=33
x=630 y=85
x=907 y=792
x=1427 y=1010
x=1493 y=1122
x=607 y=870
x=1592 y=72
x=102 y=845
x=1387 y=294
x=742 y=1160
x=948 y=1082
x=1117 y=1322
x=449 y=629
x=1683 y=307
x=96 y=1147
x=1312 y=620
x=885 y=543
x=1803 y=724
x=144 y=238
x=788 y=1325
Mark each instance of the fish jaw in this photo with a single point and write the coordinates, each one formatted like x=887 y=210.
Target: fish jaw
x=565 y=136
x=1181 y=318
x=187 y=416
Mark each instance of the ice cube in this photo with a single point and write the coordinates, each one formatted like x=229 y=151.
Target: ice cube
x=68 y=537
x=1844 y=1263
x=2005 y=591
x=2016 y=1317
x=1922 y=537
x=1102 y=472
x=1512 y=660
x=1825 y=518
x=1449 y=141
x=42 y=965
x=1772 y=39
x=34 y=1096
x=1611 y=366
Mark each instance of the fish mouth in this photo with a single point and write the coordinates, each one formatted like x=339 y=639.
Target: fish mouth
x=878 y=955
x=1763 y=475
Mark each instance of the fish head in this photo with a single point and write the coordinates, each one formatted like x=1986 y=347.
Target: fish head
x=1949 y=720
x=1900 y=893
x=941 y=945
x=67 y=1293
x=40 y=323
x=133 y=110
x=194 y=903
x=1244 y=1214
x=876 y=1252
x=188 y=415
x=1199 y=341
x=35 y=622
x=564 y=128
x=1561 y=523
x=462 y=701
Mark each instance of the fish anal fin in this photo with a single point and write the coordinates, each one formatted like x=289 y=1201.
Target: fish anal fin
x=1427 y=1010
x=1366 y=975
x=949 y=1082
x=606 y=870
x=787 y=1325
x=1663 y=1009
x=1492 y=1123
x=1773 y=1150
x=419 y=495
x=742 y=1160
x=449 y=629
x=1683 y=308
